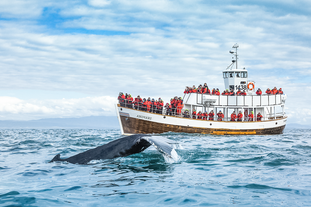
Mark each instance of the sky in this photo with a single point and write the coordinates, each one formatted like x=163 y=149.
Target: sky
x=71 y=58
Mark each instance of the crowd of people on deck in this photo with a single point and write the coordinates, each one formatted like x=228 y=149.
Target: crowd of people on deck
x=247 y=117
x=176 y=104
x=205 y=90
x=143 y=104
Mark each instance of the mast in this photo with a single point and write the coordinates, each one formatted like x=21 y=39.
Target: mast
x=235 y=54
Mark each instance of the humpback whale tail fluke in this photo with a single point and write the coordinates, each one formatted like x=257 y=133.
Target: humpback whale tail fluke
x=121 y=148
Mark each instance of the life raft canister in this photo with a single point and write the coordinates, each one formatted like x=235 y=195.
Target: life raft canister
x=251 y=86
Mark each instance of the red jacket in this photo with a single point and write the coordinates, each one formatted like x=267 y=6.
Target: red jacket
x=240 y=116
x=220 y=116
x=259 y=116
x=258 y=92
x=250 y=117
x=211 y=116
x=233 y=117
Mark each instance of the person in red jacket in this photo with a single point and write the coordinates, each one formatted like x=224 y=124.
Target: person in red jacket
x=199 y=115
x=274 y=91
x=179 y=106
x=204 y=90
x=243 y=93
x=268 y=91
x=144 y=105
x=238 y=93
x=259 y=92
x=259 y=117
x=204 y=115
x=251 y=116
x=148 y=103
x=194 y=114
x=121 y=99
x=231 y=93
x=220 y=116
x=160 y=106
x=129 y=101
x=211 y=115
x=280 y=91
x=213 y=91
x=217 y=92
x=233 y=116
x=240 y=116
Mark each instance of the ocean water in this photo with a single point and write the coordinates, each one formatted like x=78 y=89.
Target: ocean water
x=271 y=170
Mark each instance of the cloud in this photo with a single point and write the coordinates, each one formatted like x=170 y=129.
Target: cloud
x=12 y=108
x=150 y=48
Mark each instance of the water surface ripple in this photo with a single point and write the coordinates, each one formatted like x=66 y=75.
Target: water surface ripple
x=212 y=171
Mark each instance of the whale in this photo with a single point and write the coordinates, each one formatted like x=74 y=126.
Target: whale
x=122 y=147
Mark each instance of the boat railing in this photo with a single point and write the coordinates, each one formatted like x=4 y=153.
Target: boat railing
x=248 y=100
x=183 y=114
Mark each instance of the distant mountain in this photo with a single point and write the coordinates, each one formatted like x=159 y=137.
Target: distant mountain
x=297 y=126
x=91 y=122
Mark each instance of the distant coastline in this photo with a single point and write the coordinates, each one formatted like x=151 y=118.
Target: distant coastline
x=91 y=122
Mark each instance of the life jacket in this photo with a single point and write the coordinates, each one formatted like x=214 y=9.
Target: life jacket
x=280 y=92
x=121 y=98
x=199 y=116
x=194 y=114
x=149 y=103
x=259 y=116
x=217 y=93
x=258 y=92
x=250 y=117
x=211 y=116
x=220 y=116
x=268 y=91
x=240 y=116
x=238 y=93
x=274 y=91
x=205 y=116
x=233 y=117
x=204 y=90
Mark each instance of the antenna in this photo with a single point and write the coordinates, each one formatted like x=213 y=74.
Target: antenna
x=235 y=54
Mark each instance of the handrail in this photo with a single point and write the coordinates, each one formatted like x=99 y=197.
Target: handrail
x=247 y=100
x=174 y=113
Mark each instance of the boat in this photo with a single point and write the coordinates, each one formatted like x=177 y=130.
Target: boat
x=134 y=119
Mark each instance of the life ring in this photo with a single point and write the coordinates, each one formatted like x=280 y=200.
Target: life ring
x=252 y=86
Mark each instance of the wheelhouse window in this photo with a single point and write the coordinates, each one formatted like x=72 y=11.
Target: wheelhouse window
x=238 y=74
x=231 y=74
x=244 y=74
x=225 y=74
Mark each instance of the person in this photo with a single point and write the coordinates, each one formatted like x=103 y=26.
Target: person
x=204 y=115
x=137 y=102
x=259 y=117
x=121 y=99
x=168 y=108
x=220 y=116
x=217 y=93
x=274 y=91
x=226 y=92
x=280 y=91
x=129 y=101
x=240 y=116
x=243 y=93
x=211 y=115
x=251 y=116
x=148 y=103
x=238 y=93
x=233 y=116
x=199 y=115
x=186 y=114
x=194 y=90
x=144 y=105
x=231 y=92
x=204 y=90
x=213 y=91
x=259 y=92
x=160 y=106
x=268 y=91
x=179 y=105
x=194 y=114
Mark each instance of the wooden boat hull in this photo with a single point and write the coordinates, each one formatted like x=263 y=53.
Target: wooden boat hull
x=141 y=122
